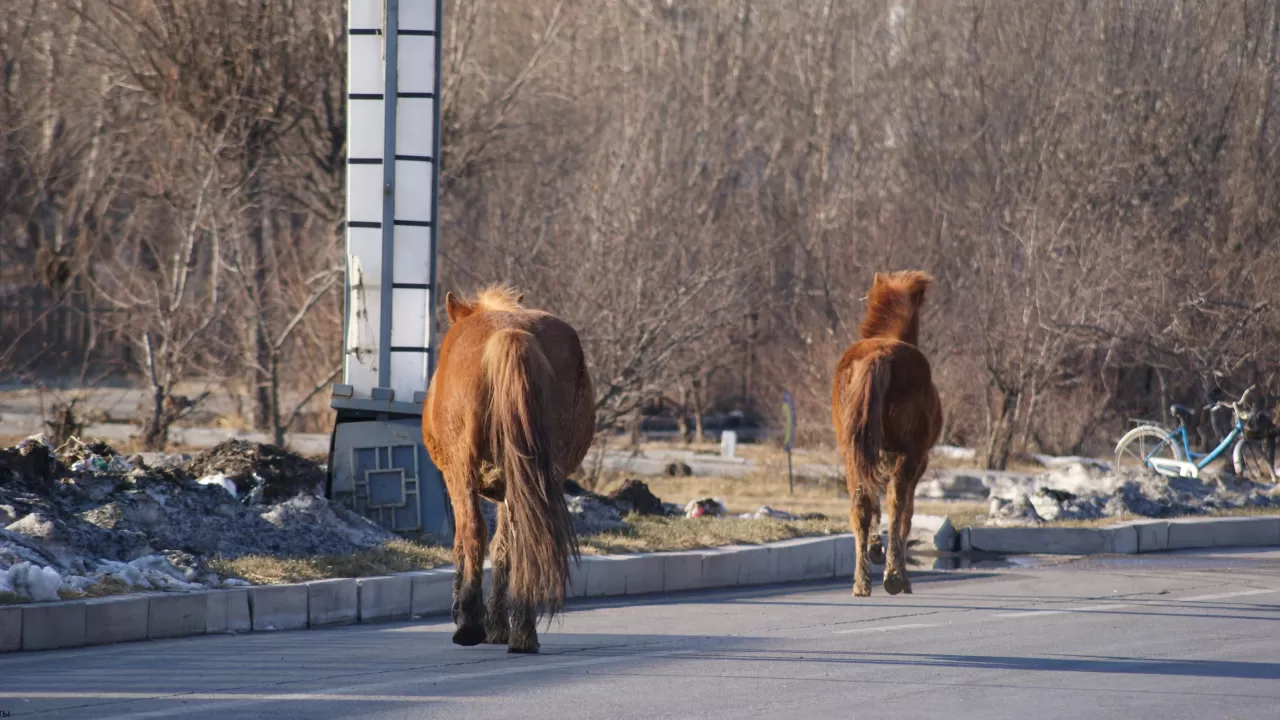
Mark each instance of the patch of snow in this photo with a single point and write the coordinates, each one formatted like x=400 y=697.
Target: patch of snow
x=219 y=480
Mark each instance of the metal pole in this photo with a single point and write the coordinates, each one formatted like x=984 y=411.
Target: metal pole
x=391 y=35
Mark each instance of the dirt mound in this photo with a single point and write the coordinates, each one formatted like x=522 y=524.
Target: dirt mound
x=31 y=465
x=280 y=473
x=635 y=496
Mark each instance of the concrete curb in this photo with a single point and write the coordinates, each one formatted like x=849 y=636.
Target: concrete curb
x=97 y=621
x=1127 y=538
x=325 y=603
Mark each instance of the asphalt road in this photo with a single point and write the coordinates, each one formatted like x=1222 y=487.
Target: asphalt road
x=1170 y=636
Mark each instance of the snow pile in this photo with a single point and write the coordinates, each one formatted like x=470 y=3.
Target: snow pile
x=1083 y=492
x=87 y=515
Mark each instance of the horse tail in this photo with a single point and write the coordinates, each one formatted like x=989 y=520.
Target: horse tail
x=863 y=415
x=541 y=537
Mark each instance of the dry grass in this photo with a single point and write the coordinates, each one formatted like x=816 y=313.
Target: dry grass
x=653 y=534
x=393 y=557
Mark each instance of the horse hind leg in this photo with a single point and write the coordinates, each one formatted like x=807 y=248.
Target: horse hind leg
x=865 y=506
x=469 y=540
x=900 y=504
x=497 y=625
x=875 y=553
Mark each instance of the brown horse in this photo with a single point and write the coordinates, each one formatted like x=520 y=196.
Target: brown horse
x=509 y=413
x=887 y=417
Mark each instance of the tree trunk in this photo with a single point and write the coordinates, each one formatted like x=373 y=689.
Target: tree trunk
x=1000 y=435
x=257 y=345
x=278 y=428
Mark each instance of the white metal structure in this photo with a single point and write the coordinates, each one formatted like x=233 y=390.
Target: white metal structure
x=377 y=463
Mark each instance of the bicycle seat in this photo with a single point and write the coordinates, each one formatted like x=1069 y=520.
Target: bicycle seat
x=1182 y=412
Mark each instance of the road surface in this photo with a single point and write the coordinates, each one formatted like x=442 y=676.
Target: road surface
x=1168 y=637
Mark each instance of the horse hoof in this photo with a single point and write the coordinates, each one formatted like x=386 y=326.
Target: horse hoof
x=876 y=554
x=859 y=591
x=468 y=635
x=894 y=584
x=524 y=648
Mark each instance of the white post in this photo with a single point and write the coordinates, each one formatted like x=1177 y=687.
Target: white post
x=393 y=141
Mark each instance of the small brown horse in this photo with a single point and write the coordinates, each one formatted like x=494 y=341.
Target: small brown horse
x=885 y=402
x=509 y=413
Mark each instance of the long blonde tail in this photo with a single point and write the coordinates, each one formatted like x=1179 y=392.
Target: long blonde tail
x=541 y=536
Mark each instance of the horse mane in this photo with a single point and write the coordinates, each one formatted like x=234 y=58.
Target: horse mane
x=498 y=298
x=893 y=305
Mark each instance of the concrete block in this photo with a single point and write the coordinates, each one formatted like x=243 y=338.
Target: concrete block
x=1246 y=532
x=579 y=572
x=681 y=571
x=804 y=559
x=386 y=598
x=607 y=576
x=332 y=602
x=759 y=565
x=1039 y=540
x=721 y=567
x=966 y=542
x=1187 y=534
x=930 y=532
x=177 y=615
x=1153 y=535
x=645 y=573
x=844 y=557
x=278 y=607
x=227 y=611
x=431 y=592
x=53 y=625
x=116 y=619
x=10 y=629
x=1121 y=540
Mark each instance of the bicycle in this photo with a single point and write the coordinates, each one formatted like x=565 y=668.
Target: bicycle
x=1168 y=453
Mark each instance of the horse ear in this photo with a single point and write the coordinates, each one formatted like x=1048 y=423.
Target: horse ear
x=520 y=299
x=455 y=308
x=876 y=279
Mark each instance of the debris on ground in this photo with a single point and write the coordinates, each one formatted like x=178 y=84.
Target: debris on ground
x=705 y=507
x=678 y=469
x=277 y=474
x=90 y=516
x=1089 y=492
x=592 y=516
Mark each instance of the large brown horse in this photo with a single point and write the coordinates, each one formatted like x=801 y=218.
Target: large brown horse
x=509 y=413
x=887 y=417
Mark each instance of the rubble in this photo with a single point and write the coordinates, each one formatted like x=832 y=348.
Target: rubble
x=1088 y=491
x=89 y=515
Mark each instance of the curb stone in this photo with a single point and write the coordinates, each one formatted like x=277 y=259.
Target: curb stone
x=46 y=626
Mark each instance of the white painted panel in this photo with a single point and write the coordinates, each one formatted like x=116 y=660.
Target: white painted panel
x=408 y=374
x=408 y=317
x=415 y=122
x=413 y=255
x=366 y=244
x=417 y=64
x=364 y=193
x=364 y=129
x=364 y=64
x=363 y=306
x=365 y=14
x=413 y=190
x=417 y=15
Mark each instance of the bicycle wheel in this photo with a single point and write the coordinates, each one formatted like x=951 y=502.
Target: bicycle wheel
x=1254 y=460
x=1141 y=443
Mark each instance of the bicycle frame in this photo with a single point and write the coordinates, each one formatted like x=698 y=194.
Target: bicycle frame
x=1199 y=461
